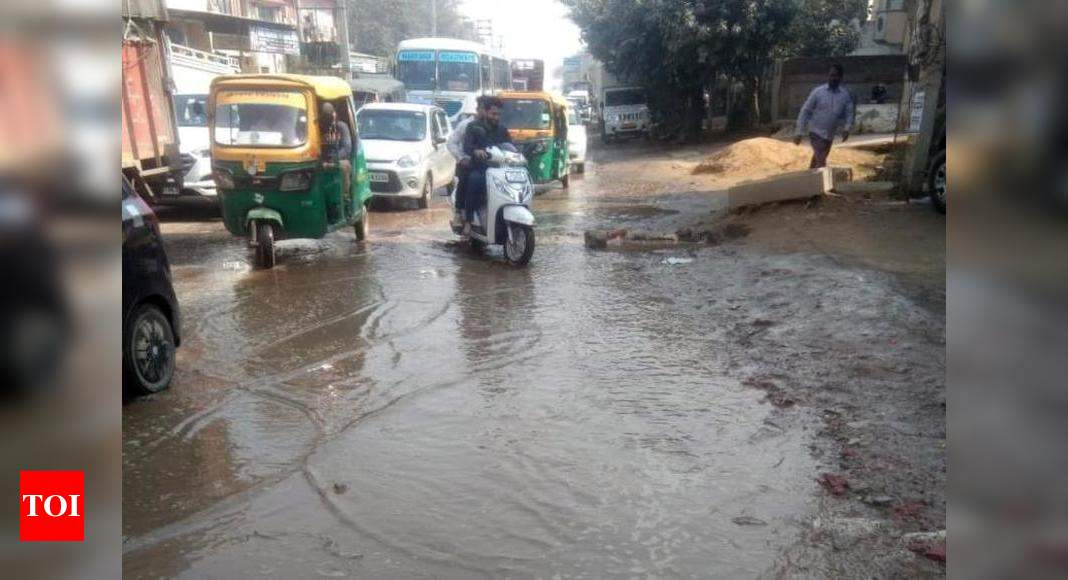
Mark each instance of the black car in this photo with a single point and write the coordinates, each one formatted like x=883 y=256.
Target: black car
x=150 y=316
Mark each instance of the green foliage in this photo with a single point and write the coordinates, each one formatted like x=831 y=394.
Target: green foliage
x=824 y=27
x=678 y=48
x=377 y=26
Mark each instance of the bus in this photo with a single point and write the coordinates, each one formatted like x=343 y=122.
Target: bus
x=450 y=73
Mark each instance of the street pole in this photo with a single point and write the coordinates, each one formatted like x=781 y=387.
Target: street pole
x=433 y=17
x=343 y=38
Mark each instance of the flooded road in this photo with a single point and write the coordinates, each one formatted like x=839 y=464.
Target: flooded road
x=408 y=409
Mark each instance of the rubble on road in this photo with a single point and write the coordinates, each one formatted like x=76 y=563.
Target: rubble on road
x=628 y=239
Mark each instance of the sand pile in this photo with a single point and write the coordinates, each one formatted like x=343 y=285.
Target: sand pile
x=763 y=157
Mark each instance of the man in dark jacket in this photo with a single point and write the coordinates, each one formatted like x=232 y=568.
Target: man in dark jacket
x=481 y=134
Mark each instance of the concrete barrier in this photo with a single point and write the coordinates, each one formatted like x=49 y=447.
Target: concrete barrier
x=795 y=185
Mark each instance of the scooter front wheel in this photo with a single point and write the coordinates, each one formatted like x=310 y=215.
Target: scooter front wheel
x=519 y=247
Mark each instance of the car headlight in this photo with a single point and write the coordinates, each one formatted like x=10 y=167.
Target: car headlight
x=223 y=179
x=408 y=161
x=295 y=181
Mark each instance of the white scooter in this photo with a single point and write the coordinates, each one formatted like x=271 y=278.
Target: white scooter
x=506 y=218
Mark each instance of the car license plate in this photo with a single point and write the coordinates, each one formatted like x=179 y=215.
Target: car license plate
x=170 y=190
x=629 y=125
x=378 y=177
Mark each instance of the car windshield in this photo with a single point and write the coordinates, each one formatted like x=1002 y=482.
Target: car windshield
x=191 y=110
x=624 y=97
x=391 y=125
x=416 y=69
x=261 y=118
x=458 y=71
x=525 y=114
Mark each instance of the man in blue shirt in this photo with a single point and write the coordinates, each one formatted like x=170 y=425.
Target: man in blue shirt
x=828 y=107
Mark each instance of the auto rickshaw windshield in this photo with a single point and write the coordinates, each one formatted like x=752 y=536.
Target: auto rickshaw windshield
x=526 y=114
x=261 y=118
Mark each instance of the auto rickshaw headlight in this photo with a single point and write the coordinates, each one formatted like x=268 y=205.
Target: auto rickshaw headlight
x=295 y=181
x=223 y=179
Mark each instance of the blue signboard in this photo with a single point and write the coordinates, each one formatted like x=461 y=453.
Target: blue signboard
x=416 y=55
x=446 y=56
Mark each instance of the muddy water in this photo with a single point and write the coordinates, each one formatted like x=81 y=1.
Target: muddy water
x=410 y=409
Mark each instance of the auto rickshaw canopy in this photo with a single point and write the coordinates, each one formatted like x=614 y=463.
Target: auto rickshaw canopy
x=326 y=88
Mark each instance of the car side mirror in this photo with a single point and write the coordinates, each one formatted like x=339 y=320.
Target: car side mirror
x=440 y=139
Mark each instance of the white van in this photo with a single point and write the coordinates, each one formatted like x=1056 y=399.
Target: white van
x=624 y=112
x=193 y=72
x=404 y=145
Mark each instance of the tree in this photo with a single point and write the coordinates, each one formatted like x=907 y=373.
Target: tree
x=677 y=49
x=826 y=27
x=377 y=27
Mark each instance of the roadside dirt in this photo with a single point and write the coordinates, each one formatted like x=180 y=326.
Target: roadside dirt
x=762 y=157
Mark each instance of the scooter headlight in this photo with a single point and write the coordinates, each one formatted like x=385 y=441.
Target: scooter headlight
x=514 y=191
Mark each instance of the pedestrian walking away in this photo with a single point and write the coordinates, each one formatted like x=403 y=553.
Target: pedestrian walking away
x=829 y=107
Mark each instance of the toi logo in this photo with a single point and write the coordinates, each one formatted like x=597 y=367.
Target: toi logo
x=51 y=506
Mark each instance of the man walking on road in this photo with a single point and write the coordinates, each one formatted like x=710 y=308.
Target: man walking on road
x=827 y=107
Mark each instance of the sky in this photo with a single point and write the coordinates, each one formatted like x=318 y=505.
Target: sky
x=531 y=29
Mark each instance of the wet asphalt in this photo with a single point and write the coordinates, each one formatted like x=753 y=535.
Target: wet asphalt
x=407 y=408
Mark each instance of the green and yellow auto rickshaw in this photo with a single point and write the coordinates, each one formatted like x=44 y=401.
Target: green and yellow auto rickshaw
x=537 y=122
x=276 y=174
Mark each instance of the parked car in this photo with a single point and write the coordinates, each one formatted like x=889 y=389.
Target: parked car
x=405 y=148
x=150 y=315
x=576 y=139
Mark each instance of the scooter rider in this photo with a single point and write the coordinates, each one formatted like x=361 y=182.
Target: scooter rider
x=480 y=135
x=455 y=145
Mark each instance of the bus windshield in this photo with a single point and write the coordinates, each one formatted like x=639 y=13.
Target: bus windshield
x=458 y=71
x=416 y=69
x=525 y=114
x=623 y=97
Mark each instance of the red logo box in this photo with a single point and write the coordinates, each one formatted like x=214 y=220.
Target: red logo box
x=51 y=506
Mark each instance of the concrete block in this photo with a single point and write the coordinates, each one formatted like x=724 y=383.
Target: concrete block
x=795 y=185
x=841 y=174
x=873 y=118
x=865 y=188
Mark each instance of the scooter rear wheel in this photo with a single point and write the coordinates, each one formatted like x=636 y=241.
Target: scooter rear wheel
x=519 y=247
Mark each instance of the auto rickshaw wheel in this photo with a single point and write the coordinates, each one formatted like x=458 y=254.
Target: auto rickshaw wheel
x=264 y=245
x=566 y=180
x=363 y=225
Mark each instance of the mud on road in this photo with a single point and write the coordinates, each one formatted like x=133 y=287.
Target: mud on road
x=405 y=408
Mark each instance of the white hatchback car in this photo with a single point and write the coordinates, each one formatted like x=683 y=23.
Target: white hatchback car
x=404 y=145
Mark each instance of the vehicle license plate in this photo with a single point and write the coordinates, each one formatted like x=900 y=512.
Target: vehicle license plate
x=379 y=177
